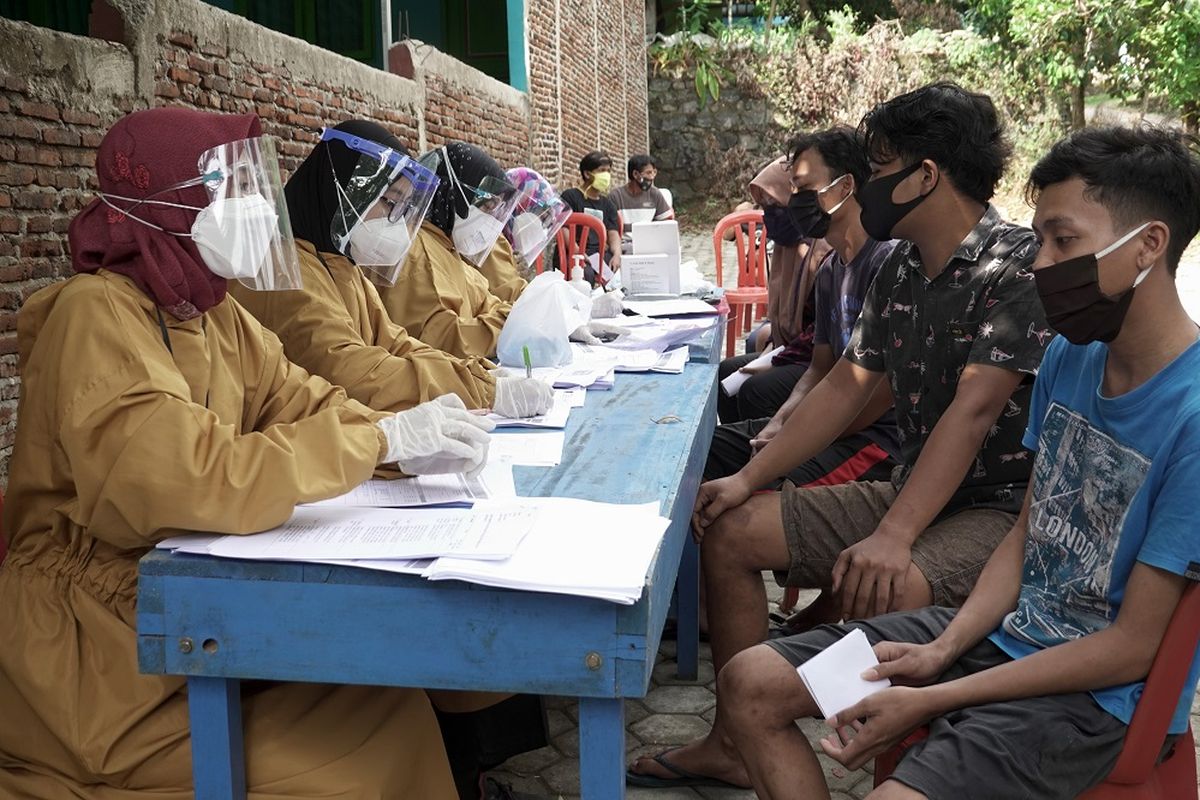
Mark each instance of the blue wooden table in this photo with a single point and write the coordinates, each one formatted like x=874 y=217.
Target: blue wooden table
x=219 y=621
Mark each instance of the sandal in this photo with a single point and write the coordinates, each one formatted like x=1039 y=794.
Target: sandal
x=684 y=778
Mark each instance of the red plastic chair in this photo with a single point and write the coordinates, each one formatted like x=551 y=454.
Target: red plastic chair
x=751 y=288
x=573 y=237
x=1137 y=775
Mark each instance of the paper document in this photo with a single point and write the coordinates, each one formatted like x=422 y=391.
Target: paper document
x=663 y=334
x=575 y=547
x=556 y=417
x=833 y=676
x=670 y=308
x=733 y=383
x=650 y=274
x=423 y=490
x=542 y=449
x=653 y=361
x=576 y=396
x=315 y=533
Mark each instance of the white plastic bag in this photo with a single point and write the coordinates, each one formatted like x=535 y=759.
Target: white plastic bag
x=541 y=320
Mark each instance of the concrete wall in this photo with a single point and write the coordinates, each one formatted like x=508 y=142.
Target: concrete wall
x=59 y=93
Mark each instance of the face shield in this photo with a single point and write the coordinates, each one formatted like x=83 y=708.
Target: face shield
x=489 y=206
x=537 y=215
x=380 y=206
x=244 y=232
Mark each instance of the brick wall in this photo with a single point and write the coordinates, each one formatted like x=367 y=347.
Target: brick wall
x=59 y=93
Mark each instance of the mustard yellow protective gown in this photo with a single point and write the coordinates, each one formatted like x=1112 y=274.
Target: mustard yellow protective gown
x=500 y=270
x=444 y=301
x=120 y=444
x=337 y=327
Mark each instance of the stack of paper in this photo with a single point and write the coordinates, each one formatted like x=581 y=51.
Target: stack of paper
x=556 y=417
x=423 y=490
x=542 y=449
x=576 y=547
x=671 y=362
x=662 y=335
x=682 y=306
x=834 y=676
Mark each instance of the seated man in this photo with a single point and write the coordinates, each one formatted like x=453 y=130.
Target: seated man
x=950 y=324
x=595 y=172
x=1046 y=658
x=639 y=200
x=827 y=167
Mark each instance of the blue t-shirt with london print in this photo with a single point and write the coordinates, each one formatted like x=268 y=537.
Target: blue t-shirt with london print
x=1114 y=483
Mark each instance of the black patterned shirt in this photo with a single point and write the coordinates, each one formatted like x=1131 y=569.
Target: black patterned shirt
x=983 y=308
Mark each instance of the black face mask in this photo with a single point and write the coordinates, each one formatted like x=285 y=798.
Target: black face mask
x=1074 y=304
x=879 y=213
x=780 y=228
x=807 y=215
x=645 y=183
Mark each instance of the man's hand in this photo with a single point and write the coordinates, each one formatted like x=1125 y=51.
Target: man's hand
x=909 y=664
x=878 y=722
x=754 y=369
x=614 y=262
x=714 y=499
x=877 y=566
x=765 y=435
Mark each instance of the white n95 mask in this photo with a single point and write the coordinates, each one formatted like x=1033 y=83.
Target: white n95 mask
x=475 y=235
x=528 y=233
x=375 y=242
x=234 y=234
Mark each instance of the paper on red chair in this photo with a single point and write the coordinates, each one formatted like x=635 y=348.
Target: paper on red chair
x=833 y=676
x=733 y=384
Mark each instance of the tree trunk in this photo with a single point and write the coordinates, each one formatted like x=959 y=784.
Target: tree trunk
x=1191 y=117
x=1078 y=96
x=770 y=22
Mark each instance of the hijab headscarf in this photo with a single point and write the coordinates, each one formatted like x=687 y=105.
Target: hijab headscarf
x=312 y=196
x=142 y=154
x=792 y=268
x=471 y=165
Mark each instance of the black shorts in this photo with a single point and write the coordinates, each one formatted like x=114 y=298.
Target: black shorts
x=1041 y=747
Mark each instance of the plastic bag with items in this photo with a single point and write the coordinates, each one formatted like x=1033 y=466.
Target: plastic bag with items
x=542 y=319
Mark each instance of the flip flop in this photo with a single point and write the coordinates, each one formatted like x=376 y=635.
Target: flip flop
x=684 y=778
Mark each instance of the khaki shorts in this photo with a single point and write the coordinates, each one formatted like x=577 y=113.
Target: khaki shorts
x=820 y=522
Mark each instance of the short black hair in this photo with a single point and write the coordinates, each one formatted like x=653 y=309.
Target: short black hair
x=958 y=130
x=594 y=161
x=840 y=147
x=640 y=162
x=1137 y=174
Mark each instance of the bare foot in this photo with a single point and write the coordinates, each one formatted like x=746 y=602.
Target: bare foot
x=819 y=612
x=700 y=757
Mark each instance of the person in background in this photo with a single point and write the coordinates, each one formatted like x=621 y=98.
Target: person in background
x=537 y=218
x=354 y=214
x=792 y=269
x=440 y=297
x=595 y=173
x=639 y=200
x=153 y=404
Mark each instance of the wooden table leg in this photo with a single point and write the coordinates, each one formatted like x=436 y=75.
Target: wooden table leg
x=687 y=630
x=218 y=755
x=602 y=748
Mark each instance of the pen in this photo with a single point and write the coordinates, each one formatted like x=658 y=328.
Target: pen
x=528 y=361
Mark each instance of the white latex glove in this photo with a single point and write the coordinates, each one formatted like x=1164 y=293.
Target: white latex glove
x=504 y=372
x=607 y=306
x=587 y=334
x=517 y=398
x=437 y=437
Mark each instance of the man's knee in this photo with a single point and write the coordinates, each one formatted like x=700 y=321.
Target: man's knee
x=758 y=684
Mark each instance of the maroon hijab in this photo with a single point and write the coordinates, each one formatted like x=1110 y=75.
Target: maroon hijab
x=141 y=154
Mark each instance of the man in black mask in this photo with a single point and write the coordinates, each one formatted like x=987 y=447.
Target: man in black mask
x=954 y=326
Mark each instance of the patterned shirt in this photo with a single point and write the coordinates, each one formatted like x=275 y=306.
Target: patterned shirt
x=983 y=308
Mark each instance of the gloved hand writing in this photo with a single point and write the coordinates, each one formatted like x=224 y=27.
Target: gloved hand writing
x=517 y=398
x=590 y=333
x=437 y=437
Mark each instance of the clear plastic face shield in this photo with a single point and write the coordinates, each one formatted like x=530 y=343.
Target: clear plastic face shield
x=244 y=233
x=381 y=206
x=489 y=206
x=538 y=214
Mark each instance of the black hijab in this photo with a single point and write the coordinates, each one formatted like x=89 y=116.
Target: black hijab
x=471 y=165
x=312 y=197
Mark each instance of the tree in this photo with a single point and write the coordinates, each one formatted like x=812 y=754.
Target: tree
x=1163 y=56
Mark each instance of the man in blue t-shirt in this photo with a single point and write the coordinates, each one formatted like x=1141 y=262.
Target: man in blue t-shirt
x=1031 y=685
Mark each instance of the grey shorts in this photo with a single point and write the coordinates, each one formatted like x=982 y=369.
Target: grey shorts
x=822 y=521
x=1041 y=747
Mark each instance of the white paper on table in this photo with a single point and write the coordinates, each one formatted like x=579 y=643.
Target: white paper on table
x=834 y=676
x=422 y=490
x=316 y=533
x=672 y=362
x=556 y=417
x=662 y=334
x=651 y=274
x=733 y=383
x=403 y=566
x=575 y=547
x=188 y=543
x=670 y=308
x=542 y=449
x=497 y=473
x=633 y=321
x=577 y=396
